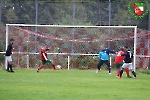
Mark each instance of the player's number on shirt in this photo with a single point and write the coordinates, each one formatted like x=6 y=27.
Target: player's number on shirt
x=130 y=54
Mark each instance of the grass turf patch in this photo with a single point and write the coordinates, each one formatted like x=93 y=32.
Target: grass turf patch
x=145 y=71
x=71 y=85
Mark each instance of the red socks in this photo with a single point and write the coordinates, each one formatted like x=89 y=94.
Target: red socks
x=127 y=71
x=43 y=66
x=40 y=67
x=53 y=66
x=118 y=72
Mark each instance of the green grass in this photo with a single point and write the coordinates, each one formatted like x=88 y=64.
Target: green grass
x=71 y=85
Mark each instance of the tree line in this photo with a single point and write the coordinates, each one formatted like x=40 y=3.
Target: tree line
x=86 y=12
x=67 y=12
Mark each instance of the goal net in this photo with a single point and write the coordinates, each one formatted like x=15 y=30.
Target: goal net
x=72 y=46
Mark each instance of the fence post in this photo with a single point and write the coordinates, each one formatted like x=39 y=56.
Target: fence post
x=27 y=61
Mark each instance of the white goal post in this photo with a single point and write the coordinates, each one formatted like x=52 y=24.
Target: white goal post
x=76 y=26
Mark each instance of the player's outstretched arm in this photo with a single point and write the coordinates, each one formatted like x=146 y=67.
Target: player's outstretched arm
x=112 y=51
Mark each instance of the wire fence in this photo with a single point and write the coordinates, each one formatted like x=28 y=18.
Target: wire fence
x=73 y=50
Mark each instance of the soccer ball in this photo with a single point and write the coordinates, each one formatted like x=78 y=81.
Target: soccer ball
x=58 y=67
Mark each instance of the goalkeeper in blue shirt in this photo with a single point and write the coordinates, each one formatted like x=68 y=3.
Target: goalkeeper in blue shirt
x=104 y=58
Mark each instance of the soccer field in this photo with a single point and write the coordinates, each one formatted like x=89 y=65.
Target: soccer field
x=71 y=85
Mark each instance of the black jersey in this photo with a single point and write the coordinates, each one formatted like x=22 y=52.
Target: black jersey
x=128 y=56
x=9 y=50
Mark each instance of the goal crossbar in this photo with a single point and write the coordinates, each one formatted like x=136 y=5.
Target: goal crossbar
x=71 y=26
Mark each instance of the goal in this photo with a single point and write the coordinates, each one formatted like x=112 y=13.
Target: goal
x=71 y=46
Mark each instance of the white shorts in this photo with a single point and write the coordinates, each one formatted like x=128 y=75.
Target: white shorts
x=8 y=58
x=129 y=65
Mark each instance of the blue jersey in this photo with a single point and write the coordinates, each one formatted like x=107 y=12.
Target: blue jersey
x=104 y=54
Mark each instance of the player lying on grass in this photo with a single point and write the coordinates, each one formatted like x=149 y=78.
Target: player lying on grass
x=127 y=62
x=45 y=59
x=119 y=62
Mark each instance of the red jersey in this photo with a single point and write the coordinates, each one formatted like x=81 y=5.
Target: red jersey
x=119 y=58
x=43 y=55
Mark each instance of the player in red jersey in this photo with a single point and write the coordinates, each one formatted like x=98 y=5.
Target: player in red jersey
x=45 y=59
x=119 y=62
